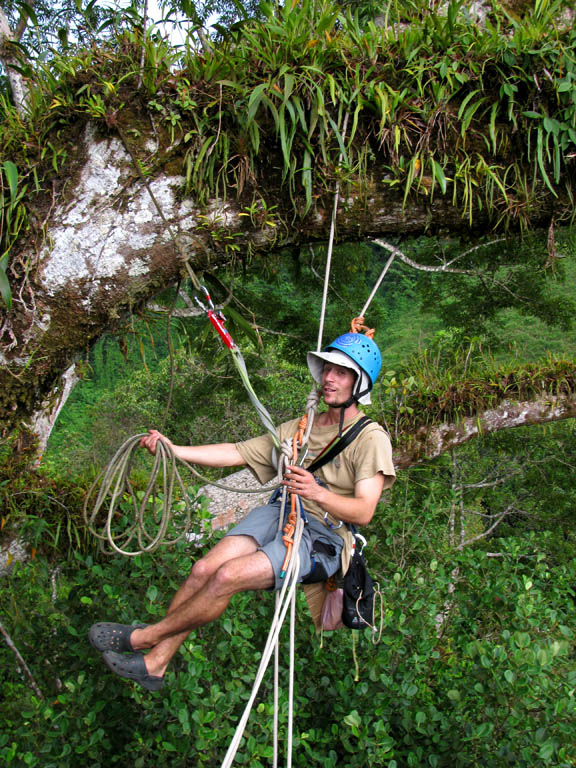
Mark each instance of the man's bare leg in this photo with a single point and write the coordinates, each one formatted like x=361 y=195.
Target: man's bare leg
x=204 y=597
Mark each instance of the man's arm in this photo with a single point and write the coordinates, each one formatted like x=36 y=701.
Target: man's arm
x=357 y=510
x=217 y=455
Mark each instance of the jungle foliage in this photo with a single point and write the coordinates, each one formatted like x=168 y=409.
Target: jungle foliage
x=474 y=552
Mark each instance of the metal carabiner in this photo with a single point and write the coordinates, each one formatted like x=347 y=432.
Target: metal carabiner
x=208 y=299
x=218 y=321
x=302 y=456
x=362 y=541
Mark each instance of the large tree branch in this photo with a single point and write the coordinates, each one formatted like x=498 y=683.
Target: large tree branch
x=429 y=442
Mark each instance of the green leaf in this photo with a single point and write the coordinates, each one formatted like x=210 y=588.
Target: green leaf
x=152 y=593
x=240 y=323
x=5 y=290
x=439 y=175
x=464 y=104
x=28 y=11
x=288 y=86
x=546 y=751
x=353 y=719
x=254 y=101
x=551 y=125
x=11 y=173
x=307 y=178
x=492 y=125
x=453 y=695
x=540 y=158
x=522 y=639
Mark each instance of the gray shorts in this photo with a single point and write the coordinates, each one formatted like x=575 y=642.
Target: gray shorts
x=320 y=547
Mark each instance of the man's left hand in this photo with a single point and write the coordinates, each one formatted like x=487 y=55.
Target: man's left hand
x=299 y=481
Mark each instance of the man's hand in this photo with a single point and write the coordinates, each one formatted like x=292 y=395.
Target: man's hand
x=357 y=509
x=216 y=455
x=302 y=482
x=150 y=440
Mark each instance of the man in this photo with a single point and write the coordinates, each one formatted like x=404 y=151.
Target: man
x=250 y=556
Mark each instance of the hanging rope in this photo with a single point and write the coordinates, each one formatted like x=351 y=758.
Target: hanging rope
x=378 y=282
x=218 y=321
x=331 y=242
x=285 y=599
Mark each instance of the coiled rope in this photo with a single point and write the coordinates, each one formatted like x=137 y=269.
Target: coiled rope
x=117 y=505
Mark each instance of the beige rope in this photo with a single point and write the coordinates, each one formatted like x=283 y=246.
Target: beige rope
x=115 y=489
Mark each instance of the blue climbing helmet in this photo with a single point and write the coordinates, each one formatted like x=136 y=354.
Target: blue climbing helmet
x=362 y=350
x=355 y=351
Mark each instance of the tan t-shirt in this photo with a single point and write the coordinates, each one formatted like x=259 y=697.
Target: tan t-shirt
x=367 y=455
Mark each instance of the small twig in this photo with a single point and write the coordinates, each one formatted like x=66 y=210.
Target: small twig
x=423 y=267
x=21 y=662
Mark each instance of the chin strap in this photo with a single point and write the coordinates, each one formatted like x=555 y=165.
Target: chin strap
x=351 y=400
x=343 y=406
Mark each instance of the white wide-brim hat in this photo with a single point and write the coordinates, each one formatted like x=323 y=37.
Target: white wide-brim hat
x=316 y=362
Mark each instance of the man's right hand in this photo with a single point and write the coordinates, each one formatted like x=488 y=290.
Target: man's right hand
x=150 y=440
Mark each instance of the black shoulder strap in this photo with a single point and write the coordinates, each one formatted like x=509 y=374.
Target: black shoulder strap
x=337 y=447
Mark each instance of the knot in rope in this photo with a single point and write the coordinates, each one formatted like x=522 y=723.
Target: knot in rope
x=285 y=453
x=312 y=404
x=313 y=400
x=357 y=325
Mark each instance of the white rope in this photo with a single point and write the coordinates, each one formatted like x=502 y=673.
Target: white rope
x=291 y=681
x=330 y=244
x=115 y=488
x=287 y=592
x=382 y=274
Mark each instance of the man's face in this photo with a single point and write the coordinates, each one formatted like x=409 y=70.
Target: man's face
x=337 y=383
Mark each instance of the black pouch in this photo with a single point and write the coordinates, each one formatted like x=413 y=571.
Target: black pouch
x=358 y=598
x=322 y=555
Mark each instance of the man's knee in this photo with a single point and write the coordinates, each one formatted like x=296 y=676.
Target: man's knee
x=241 y=574
x=201 y=572
x=224 y=578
